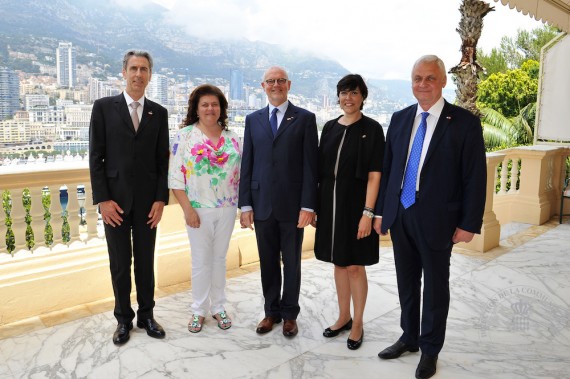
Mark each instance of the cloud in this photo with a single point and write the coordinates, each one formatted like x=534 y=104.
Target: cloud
x=379 y=39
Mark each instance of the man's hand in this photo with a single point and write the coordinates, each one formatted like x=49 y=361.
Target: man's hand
x=461 y=235
x=155 y=214
x=246 y=220
x=305 y=218
x=314 y=222
x=111 y=213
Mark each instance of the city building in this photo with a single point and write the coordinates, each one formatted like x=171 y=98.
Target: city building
x=236 y=85
x=66 y=65
x=9 y=93
x=157 y=89
x=35 y=101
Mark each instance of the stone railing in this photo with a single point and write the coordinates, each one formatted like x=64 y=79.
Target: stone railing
x=48 y=204
x=40 y=274
x=524 y=185
x=529 y=183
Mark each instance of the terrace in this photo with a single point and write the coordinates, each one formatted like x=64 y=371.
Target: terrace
x=508 y=318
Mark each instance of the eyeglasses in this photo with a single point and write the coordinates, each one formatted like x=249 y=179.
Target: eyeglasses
x=271 y=82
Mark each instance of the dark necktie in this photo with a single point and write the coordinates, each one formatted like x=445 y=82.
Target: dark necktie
x=273 y=121
x=408 y=196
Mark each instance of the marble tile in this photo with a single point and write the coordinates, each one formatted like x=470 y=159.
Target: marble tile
x=509 y=318
x=512 y=228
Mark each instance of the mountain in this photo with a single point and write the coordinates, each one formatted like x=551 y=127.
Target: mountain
x=102 y=33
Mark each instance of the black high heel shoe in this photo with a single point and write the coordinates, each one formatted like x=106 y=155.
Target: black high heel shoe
x=333 y=333
x=352 y=344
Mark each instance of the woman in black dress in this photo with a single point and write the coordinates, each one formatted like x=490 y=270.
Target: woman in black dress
x=350 y=163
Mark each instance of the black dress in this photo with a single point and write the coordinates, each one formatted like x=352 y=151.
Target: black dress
x=343 y=177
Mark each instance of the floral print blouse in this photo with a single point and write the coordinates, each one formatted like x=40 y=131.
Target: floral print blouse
x=208 y=173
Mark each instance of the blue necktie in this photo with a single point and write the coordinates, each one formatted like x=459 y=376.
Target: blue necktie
x=273 y=121
x=408 y=196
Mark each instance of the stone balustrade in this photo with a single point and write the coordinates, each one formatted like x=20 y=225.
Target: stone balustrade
x=523 y=185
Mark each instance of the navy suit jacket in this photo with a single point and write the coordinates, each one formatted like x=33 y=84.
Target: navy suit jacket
x=452 y=179
x=279 y=175
x=128 y=167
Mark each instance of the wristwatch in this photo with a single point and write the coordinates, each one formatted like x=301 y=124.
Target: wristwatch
x=367 y=213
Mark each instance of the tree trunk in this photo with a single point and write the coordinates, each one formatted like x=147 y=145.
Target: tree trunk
x=466 y=73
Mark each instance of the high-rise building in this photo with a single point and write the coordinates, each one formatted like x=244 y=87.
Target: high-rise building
x=236 y=85
x=9 y=93
x=157 y=89
x=66 y=65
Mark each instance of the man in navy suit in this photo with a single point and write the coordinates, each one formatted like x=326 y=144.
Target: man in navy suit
x=278 y=191
x=128 y=162
x=445 y=206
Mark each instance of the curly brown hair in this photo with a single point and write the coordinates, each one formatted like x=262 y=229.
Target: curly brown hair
x=203 y=90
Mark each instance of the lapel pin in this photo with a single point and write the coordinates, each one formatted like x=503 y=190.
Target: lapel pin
x=290 y=118
x=150 y=113
x=364 y=136
x=448 y=117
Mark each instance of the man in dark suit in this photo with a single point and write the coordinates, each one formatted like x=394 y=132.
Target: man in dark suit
x=128 y=161
x=431 y=207
x=278 y=190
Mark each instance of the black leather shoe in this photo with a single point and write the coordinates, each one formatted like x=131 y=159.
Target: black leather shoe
x=426 y=367
x=152 y=327
x=396 y=350
x=333 y=333
x=352 y=344
x=121 y=334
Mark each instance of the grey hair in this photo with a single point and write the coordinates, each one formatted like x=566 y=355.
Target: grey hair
x=273 y=68
x=136 y=53
x=431 y=59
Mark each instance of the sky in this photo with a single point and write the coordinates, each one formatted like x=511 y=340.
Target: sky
x=378 y=39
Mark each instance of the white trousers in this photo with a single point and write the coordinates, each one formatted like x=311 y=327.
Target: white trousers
x=209 y=248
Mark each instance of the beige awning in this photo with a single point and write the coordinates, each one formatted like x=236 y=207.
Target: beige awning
x=553 y=12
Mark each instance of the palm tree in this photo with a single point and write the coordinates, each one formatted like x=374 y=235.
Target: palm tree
x=466 y=73
x=500 y=131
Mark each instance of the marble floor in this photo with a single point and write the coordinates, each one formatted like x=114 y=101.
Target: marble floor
x=509 y=318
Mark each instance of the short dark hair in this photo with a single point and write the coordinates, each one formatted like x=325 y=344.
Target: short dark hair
x=137 y=53
x=194 y=99
x=351 y=82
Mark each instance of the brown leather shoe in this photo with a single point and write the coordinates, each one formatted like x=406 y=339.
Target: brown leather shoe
x=290 y=328
x=266 y=324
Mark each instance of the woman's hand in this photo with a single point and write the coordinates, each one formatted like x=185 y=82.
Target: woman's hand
x=192 y=218
x=364 y=227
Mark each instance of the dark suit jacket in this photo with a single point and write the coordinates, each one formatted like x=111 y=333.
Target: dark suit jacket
x=452 y=180
x=279 y=174
x=125 y=166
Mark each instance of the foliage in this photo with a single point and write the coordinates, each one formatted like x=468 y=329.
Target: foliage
x=513 y=52
x=507 y=93
x=493 y=63
x=532 y=68
x=500 y=132
x=65 y=228
x=27 y=203
x=532 y=42
x=46 y=203
x=526 y=45
x=7 y=205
